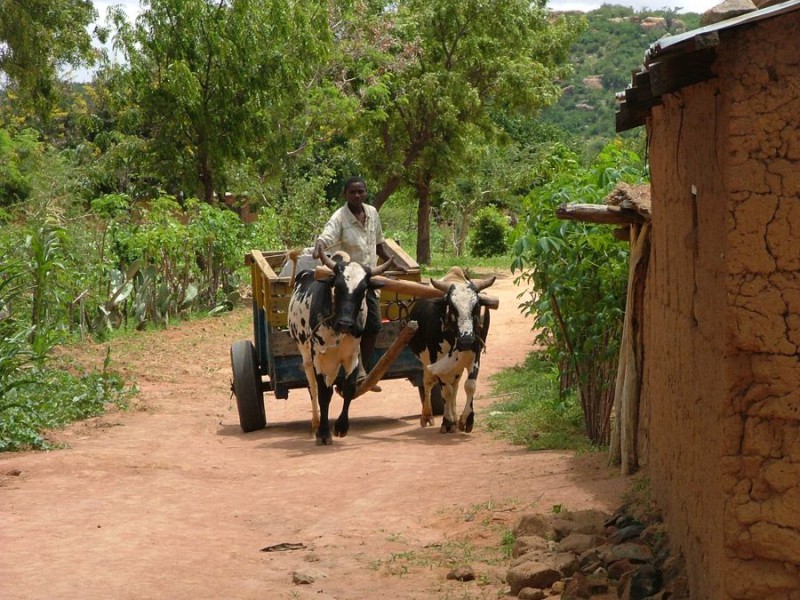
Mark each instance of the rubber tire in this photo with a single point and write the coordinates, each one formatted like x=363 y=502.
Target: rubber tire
x=247 y=387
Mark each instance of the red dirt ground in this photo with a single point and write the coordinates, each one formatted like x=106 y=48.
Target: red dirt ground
x=171 y=500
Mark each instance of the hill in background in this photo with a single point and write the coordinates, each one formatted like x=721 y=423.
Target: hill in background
x=604 y=57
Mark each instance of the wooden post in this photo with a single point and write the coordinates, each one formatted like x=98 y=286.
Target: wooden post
x=385 y=361
x=625 y=441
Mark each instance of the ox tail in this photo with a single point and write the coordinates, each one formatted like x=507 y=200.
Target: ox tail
x=484 y=333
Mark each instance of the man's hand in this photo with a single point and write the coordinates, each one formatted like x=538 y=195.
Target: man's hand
x=319 y=248
x=395 y=266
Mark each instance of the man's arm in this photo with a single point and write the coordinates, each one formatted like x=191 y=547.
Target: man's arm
x=330 y=236
x=383 y=251
x=319 y=248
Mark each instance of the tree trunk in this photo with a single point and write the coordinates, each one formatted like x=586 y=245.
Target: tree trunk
x=207 y=179
x=387 y=190
x=394 y=181
x=424 y=219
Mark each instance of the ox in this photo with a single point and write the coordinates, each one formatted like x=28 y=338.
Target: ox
x=326 y=319
x=449 y=340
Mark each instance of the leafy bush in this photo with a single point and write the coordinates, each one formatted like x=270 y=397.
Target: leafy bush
x=34 y=397
x=488 y=236
x=18 y=158
x=52 y=398
x=578 y=275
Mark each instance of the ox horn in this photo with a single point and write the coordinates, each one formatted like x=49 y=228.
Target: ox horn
x=327 y=260
x=382 y=267
x=482 y=284
x=440 y=285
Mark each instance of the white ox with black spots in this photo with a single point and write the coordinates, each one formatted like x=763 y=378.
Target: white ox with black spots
x=449 y=340
x=326 y=319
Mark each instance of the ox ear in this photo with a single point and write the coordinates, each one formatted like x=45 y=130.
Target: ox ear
x=482 y=284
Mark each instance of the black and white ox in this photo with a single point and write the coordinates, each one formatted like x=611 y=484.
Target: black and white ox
x=449 y=340
x=326 y=319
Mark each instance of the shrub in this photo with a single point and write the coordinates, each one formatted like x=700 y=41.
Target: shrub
x=578 y=276
x=489 y=233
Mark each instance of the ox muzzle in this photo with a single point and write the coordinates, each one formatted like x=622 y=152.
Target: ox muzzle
x=465 y=341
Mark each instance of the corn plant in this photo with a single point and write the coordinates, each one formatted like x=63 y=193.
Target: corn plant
x=14 y=336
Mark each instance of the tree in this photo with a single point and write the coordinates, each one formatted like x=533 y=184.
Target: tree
x=37 y=38
x=426 y=73
x=215 y=81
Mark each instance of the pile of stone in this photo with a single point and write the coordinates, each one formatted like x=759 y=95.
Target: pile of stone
x=590 y=554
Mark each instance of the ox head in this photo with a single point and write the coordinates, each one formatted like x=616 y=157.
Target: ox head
x=350 y=282
x=463 y=301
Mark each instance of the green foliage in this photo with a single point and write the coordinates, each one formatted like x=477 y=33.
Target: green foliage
x=611 y=47
x=177 y=258
x=15 y=351
x=36 y=38
x=429 y=73
x=577 y=275
x=33 y=396
x=534 y=413
x=488 y=236
x=19 y=157
x=52 y=398
x=43 y=246
x=399 y=220
x=217 y=82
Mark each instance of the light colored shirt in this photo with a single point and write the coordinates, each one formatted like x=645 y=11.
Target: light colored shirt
x=344 y=232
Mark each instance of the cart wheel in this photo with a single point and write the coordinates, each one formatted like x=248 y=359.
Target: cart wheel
x=437 y=401
x=247 y=387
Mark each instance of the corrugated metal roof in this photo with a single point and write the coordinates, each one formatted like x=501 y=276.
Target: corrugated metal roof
x=677 y=61
x=704 y=37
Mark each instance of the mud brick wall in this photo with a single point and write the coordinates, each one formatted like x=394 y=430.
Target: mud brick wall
x=722 y=338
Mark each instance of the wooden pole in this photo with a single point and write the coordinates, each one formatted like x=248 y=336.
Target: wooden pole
x=385 y=361
x=412 y=288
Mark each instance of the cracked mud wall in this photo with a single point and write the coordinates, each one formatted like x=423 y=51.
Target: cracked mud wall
x=722 y=339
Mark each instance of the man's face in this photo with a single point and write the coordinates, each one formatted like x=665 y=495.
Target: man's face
x=356 y=193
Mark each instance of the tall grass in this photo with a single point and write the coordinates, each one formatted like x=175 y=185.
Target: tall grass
x=533 y=413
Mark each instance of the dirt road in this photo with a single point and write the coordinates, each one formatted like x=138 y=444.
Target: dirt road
x=171 y=500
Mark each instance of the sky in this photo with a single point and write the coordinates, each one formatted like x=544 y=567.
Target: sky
x=699 y=6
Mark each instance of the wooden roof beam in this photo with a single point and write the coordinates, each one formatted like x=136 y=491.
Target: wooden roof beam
x=598 y=213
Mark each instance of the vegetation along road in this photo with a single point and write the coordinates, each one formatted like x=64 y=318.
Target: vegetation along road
x=172 y=500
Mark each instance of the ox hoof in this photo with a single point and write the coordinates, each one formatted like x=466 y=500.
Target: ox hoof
x=448 y=427
x=324 y=440
x=341 y=430
x=426 y=421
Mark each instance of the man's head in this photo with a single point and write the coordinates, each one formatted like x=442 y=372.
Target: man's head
x=355 y=191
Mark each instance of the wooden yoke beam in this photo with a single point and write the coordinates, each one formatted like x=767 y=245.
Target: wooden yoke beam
x=388 y=357
x=412 y=288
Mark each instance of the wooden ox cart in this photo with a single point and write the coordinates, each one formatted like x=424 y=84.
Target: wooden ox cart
x=272 y=362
